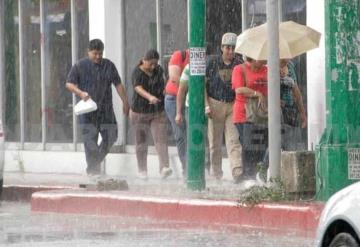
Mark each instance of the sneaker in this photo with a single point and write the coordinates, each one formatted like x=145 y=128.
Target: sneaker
x=217 y=176
x=237 y=174
x=165 y=172
x=142 y=175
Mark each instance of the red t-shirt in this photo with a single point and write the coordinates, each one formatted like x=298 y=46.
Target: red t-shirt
x=176 y=59
x=255 y=80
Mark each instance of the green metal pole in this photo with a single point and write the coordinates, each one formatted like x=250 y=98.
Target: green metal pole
x=337 y=163
x=196 y=131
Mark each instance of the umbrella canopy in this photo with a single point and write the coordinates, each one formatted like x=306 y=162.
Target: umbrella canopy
x=294 y=39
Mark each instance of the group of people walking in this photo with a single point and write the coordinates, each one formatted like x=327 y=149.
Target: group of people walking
x=231 y=84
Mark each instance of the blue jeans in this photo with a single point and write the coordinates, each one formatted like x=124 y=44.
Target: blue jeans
x=93 y=124
x=179 y=131
x=254 y=141
x=289 y=137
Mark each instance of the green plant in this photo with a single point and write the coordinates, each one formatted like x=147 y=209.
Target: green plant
x=257 y=194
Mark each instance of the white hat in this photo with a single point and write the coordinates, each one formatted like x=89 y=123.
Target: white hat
x=229 y=39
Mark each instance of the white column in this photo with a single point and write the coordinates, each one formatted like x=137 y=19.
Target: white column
x=316 y=75
x=106 y=22
x=244 y=13
x=122 y=68
x=44 y=73
x=74 y=58
x=97 y=20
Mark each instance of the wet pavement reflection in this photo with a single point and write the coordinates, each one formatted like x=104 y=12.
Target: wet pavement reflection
x=20 y=227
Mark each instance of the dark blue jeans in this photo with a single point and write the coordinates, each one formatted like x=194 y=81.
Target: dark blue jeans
x=179 y=131
x=254 y=141
x=290 y=135
x=93 y=124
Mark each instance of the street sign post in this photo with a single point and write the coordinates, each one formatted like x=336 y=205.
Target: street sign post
x=197 y=130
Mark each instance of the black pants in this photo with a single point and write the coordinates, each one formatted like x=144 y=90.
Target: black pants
x=93 y=124
x=254 y=141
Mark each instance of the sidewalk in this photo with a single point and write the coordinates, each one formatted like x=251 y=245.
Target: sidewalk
x=164 y=200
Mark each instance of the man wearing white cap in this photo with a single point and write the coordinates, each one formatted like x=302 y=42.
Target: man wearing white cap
x=221 y=97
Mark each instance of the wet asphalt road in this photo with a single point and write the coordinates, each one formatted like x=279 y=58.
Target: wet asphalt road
x=20 y=227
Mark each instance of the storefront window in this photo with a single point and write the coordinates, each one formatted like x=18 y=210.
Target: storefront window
x=58 y=63
x=82 y=12
x=174 y=27
x=222 y=16
x=82 y=15
x=12 y=104
x=32 y=85
x=140 y=36
x=57 y=43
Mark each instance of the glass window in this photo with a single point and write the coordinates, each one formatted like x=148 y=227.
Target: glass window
x=32 y=85
x=222 y=16
x=58 y=63
x=140 y=37
x=82 y=12
x=12 y=105
x=296 y=11
x=174 y=27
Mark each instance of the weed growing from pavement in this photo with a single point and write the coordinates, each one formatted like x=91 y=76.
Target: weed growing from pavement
x=258 y=194
x=112 y=184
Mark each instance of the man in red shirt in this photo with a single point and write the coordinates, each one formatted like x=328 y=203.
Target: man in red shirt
x=177 y=63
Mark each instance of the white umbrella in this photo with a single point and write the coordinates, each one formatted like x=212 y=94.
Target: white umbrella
x=294 y=39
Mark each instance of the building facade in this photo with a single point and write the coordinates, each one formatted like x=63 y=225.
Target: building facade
x=43 y=38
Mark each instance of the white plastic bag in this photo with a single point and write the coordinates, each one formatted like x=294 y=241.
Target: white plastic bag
x=85 y=107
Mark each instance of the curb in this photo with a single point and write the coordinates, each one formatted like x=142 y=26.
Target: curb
x=24 y=192
x=301 y=219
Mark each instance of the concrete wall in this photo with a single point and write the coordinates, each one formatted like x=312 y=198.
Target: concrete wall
x=74 y=163
x=104 y=23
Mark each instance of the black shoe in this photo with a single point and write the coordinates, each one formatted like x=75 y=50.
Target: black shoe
x=94 y=170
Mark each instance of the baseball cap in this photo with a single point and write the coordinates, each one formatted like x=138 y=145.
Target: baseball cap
x=229 y=39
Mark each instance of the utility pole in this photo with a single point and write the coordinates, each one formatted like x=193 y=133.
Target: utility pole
x=244 y=13
x=272 y=16
x=196 y=131
x=159 y=19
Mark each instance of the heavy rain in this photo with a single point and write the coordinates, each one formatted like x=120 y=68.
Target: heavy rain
x=130 y=59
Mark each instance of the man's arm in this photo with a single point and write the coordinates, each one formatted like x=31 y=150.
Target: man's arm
x=122 y=93
x=180 y=98
x=145 y=94
x=74 y=89
x=299 y=102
